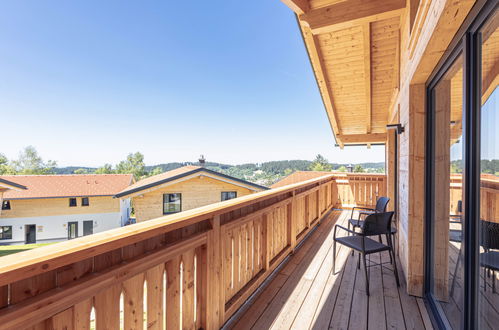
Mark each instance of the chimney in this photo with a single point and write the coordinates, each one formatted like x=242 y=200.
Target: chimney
x=202 y=161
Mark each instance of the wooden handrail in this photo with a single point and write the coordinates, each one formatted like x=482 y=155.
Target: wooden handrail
x=28 y=263
x=204 y=262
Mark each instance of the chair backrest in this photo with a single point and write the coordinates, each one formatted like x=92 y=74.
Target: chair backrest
x=490 y=234
x=381 y=204
x=378 y=224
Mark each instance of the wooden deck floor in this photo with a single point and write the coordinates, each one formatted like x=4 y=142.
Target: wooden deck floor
x=305 y=294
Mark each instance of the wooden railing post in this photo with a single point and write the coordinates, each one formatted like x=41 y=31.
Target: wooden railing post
x=318 y=204
x=292 y=223
x=215 y=302
x=267 y=241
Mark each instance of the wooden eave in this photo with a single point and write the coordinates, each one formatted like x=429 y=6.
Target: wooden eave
x=353 y=46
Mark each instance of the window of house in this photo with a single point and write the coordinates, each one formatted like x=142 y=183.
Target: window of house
x=85 y=201
x=5 y=232
x=172 y=203
x=226 y=195
x=72 y=202
x=6 y=205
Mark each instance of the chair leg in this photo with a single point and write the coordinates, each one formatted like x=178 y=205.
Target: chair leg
x=455 y=273
x=389 y=242
x=395 y=268
x=365 y=272
x=484 y=279
x=493 y=281
x=358 y=262
x=334 y=255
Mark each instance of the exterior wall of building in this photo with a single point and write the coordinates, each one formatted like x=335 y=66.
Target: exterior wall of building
x=196 y=192
x=24 y=208
x=125 y=210
x=51 y=217
x=422 y=44
x=55 y=228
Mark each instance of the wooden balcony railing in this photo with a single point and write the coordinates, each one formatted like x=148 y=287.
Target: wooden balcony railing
x=359 y=189
x=189 y=270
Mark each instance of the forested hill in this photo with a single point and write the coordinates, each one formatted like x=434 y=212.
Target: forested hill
x=263 y=173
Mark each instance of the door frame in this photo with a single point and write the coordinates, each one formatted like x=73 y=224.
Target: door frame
x=69 y=229
x=26 y=233
x=466 y=42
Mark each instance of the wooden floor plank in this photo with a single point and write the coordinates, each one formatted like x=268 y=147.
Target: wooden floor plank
x=275 y=307
x=393 y=307
x=376 y=318
x=306 y=294
x=341 y=312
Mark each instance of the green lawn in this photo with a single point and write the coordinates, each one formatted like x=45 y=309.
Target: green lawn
x=10 y=249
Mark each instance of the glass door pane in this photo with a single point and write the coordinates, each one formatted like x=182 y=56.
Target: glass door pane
x=488 y=297
x=447 y=224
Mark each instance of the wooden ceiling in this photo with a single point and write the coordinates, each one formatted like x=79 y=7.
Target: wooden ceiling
x=354 y=50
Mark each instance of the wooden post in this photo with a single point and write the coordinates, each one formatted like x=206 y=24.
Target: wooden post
x=318 y=205
x=215 y=301
x=390 y=168
x=267 y=241
x=292 y=223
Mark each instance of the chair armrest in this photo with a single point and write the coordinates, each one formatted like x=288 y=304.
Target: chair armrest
x=365 y=213
x=364 y=208
x=345 y=229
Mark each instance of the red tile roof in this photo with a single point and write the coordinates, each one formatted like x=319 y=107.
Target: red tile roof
x=74 y=185
x=298 y=176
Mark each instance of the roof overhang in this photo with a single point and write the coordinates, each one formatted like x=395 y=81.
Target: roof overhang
x=354 y=50
x=9 y=185
x=200 y=172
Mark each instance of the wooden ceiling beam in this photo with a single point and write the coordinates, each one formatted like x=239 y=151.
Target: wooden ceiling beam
x=320 y=76
x=349 y=13
x=363 y=138
x=366 y=30
x=298 y=6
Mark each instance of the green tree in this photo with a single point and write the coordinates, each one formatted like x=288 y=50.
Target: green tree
x=80 y=171
x=30 y=162
x=106 y=169
x=155 y=171
x=342 y=168
x=5 y=168
x=288 y=171
x=134 y=164
x=320 y=164
x=358 y=169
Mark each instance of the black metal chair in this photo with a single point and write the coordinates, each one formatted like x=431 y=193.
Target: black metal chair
x=381 y=204
x=375 y=224
x=489 y=260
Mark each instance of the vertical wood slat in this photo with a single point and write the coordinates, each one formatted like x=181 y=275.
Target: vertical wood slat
x=107 y=308
x=188 y=288
x=173 y=293
x=62 y=321
x=133 y=297
x=154 y=279
x=82 y=314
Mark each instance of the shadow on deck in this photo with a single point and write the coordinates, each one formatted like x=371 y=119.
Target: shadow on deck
x=305 y=294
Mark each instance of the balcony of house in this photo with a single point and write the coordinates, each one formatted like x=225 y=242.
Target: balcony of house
x=263 y=260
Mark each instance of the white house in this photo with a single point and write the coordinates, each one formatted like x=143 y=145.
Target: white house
x=58 y=207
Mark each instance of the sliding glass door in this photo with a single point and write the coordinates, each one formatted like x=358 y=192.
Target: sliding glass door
x=462 y=248
x=488 y=297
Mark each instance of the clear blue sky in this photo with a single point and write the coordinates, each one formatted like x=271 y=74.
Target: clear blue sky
x=87 y=82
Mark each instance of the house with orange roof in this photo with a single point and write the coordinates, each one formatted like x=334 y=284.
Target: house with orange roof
x=182 y=189
x=51 y=208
